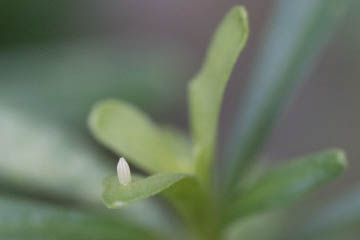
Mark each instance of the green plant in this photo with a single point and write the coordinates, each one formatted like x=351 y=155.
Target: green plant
x=239 y=201
x=182 y=168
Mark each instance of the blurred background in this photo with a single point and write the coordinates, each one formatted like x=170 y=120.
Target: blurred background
x=57 y=58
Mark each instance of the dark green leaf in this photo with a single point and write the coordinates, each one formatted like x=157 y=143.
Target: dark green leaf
x=284 y=184
x=340 y=218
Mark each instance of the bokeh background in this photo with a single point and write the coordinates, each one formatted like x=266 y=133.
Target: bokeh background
x=57 y=58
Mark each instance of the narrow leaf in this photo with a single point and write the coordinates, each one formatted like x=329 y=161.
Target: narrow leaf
x=129 y=132
x=259 y=227
x=116 y=195
x=20 y=219
x=298 y=32
x=339 y=218
x=207 y=88
x=284 y=184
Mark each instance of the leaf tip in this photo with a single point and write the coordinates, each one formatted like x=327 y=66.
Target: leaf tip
x=340 y=157
x=241 y=10
x=96 y=112
x=242 y=13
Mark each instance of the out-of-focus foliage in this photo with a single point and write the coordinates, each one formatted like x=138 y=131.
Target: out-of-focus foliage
x=299 y=30
x=46 y=93
x=128 y=131
x=38 y=156
x=286 y=183
x=207 y=88
x=22 y=220
x=337 y=220
x=62 y=81
x=44 y=115
x=36 y=22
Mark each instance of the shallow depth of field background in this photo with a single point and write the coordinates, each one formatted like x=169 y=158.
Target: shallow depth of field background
x=57 y=58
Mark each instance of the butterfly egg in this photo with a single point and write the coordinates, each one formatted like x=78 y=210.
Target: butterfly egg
x=123 y=172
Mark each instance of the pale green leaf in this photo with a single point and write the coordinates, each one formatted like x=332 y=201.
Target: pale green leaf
x=298 y=31
x=116 y=195
x=207 y=88
x=130 y=133
x=36 y=156
x=20 y=219
x=284 y=184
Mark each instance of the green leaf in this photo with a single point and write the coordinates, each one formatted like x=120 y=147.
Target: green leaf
x=299 y=30
x=284 y=184
x=20 y=220
x=45 y=95
x=207 y=88
x=53 y=78
x=196 y=207
x=127 y=131
x=38 y=157
x=339 y=218
x=258 y=227
x=116 y=195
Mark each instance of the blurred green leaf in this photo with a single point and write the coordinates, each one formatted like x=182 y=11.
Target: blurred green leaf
x=116 y=195
x=40 y=22
x=22 y=220
x=40 y=159
x=36 y=156
x=298 y=32
x=45 y=96
x=284 y=184
x=207 y=88
x=127 y=131
x=258 y=227
x=340 y=218
x=196 y=207
x=62 y=82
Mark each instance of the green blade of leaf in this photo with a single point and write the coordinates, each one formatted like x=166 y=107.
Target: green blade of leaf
x=128 y=131
x=299 y=31
x=259 y=227
x=339 y=218
x=38 y=157
x=20 y=219
x=207 y=88
x=284 y=184
x=116 y=195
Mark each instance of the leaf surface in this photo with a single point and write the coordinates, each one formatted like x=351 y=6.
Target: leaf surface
x=298 y=31
x=207 y=88
x=116 y=195
x=128 y=131
x=285 y=184
x=20 y=220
